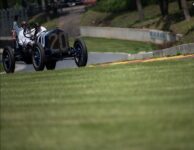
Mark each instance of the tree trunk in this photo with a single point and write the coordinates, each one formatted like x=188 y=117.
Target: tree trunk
x=163 y=7
x=5 y=4
x=179 y=3
x=166 y=7
x=43 y=4
x=140 y=9
x=185 y=10
x=39 y=4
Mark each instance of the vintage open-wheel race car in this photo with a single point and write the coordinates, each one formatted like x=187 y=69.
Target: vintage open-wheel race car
x=47 y=48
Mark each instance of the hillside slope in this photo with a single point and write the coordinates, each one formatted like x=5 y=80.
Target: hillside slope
x=174 y=22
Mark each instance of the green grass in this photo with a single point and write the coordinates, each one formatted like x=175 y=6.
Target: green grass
x=187 y=29
x=113 y=45
x=45 y=21
x=144 y=106
x=93 y=18
x=184 y=27
x=128 y=18
x=52 y=24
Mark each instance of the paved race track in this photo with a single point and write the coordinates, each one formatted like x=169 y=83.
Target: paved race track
x=93 y=58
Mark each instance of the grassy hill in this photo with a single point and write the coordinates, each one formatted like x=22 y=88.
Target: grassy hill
x=114 y=45
x=144 y=106
x=174 y=23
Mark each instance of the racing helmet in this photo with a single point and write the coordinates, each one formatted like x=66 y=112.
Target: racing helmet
x=23 y=24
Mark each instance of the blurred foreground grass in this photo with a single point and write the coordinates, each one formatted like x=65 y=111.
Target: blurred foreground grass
x=145 y=106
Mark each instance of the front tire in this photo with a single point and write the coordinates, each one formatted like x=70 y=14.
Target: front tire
x=38 y=57
x=50 y=65
x=8 y=60
x=27 y=55
x=28 y=60
x=81 y=54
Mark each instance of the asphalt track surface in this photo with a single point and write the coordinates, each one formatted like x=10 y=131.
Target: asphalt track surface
x=94 y=58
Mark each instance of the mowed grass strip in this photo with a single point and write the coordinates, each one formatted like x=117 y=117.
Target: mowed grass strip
x=115 y=45
x=145 y=106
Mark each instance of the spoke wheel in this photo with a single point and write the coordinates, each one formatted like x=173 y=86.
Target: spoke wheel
x=38 y=57
x=8 y=60
x=81 y=54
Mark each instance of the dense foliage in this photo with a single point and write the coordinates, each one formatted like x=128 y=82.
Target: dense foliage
x=112 y=5
x=117 y=6
x=14 y=3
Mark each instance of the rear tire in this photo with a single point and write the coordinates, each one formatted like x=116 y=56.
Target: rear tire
x=38 y=57
x=27 y=55
x=8 y=60
x=28 y=60
x=50 y=65
x=81 y=54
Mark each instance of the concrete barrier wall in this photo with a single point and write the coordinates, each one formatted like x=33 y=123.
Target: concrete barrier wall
x=145 y=35
x=184 y=49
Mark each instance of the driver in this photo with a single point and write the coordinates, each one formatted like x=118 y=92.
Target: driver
x=22 y=40
x=39 y=29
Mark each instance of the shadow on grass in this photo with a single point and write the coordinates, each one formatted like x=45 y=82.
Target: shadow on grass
x=172 y=19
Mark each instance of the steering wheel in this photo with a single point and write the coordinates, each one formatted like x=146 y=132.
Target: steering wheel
x=29 y=33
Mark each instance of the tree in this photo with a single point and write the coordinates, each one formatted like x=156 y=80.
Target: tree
x=24 y=3
x=140 y=9
x=179 y=3
x=163 y=7
x=4 y=4
x=185 y=9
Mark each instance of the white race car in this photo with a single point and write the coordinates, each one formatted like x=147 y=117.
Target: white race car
x=48 y=48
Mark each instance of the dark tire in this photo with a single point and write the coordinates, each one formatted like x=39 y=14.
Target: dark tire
x=50 y=65
x=8 y=60
x=38 y=57
x=28 y=60
x=81 y=54
x=27 y=56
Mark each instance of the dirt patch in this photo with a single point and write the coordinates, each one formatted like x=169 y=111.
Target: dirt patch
x=70 y=21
